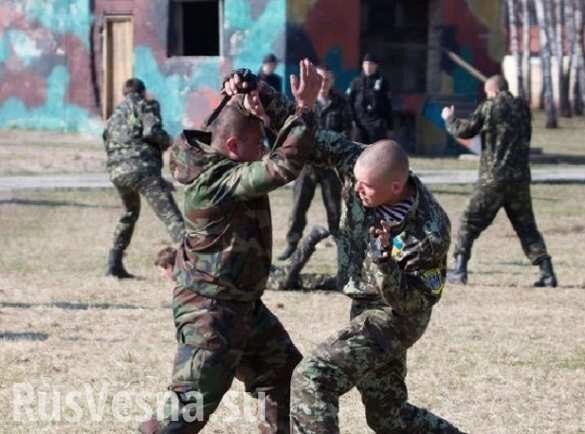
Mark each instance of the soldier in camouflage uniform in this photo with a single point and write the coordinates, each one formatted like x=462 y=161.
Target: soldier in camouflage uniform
x=394 y=240
x=333 y=113
x=504 y=124
x=223 y=328
x=135 y=141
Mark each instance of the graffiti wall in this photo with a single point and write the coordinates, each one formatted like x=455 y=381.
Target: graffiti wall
x=52 y=67
x=45 y=65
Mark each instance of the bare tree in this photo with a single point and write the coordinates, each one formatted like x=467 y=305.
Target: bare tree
x=526 y=50
x=570 y=43
x=559 y=50
x=514 y=35
x=543 y=14
x=578 y=61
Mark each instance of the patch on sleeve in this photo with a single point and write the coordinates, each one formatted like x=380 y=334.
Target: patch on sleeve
x=397 y=246
x=433 y=280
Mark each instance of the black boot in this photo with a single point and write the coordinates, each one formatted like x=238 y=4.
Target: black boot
x=302 y=255
x=547 y=275
x=115 y=266
x=458 y=276
x=287 y=252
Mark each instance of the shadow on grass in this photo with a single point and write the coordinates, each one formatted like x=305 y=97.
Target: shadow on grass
x=557 y=159
x=74 y=305
x=450 y=192
x=52 y=203
x=23 y=336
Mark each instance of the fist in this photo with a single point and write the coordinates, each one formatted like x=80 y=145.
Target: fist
x=448 y=113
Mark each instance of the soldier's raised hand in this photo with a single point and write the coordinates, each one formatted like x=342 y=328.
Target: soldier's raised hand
x=240 y=81
x=448 y=113
x=253 y=104
x=306 y=86
x=381 y=239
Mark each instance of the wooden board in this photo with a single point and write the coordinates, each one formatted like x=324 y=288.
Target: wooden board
x=118 y=59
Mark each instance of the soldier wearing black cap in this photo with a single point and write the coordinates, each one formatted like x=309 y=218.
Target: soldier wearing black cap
x=369 y=98
x=267 y=73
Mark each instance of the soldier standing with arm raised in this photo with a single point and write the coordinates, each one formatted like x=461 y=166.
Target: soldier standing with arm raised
x=135 y=141
x=504 y=124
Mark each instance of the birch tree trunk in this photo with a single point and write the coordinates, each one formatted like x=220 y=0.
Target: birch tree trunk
x=563 y=77
x=546 y=31
x=513 y=32
x=526 y=51
x=570 y=39
x=579 y=89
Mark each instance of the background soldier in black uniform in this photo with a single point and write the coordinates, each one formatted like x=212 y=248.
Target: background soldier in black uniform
x=333 y=113
x=267 y=74
x=369 y=98
x=504 y=124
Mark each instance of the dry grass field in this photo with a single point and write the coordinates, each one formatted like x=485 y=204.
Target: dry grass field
x=499 y=356
x=36 y=152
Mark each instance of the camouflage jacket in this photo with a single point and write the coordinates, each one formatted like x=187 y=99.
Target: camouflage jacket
x=412 y=279
x=504 y=125
x=134 y=137
x=227 y=250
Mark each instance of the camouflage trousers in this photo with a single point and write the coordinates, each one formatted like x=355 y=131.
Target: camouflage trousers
x=219 y=340
x=303 y=193
x=157 y=193
x=370 y=354
x=485 y=202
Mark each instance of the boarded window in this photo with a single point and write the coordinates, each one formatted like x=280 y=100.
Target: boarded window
x=195 y=28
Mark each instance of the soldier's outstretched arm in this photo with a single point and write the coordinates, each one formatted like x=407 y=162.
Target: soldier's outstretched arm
x=278 y=107
x=282 y=165
x=294 y=141
x=331 y=149
x=336 y=151
x=465 y=128
x=152 y=127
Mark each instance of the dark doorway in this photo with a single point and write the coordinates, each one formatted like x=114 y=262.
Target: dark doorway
x=397 y=32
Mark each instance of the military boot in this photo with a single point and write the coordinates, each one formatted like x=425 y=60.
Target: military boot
x=302 y=255
x=276 y=419
x=287 y=252
x=547 y=276
x=458 y=276
x=115 y=266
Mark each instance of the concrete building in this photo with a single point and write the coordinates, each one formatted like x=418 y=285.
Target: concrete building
x=62 y=62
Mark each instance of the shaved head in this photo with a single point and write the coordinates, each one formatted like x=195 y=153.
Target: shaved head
x=236 y=133
x=385 y=160
x=232 y=121
x=381 y=173
x=495 y=84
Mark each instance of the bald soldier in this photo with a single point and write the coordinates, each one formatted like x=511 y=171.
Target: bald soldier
x=393 y=239
x=504 y=125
